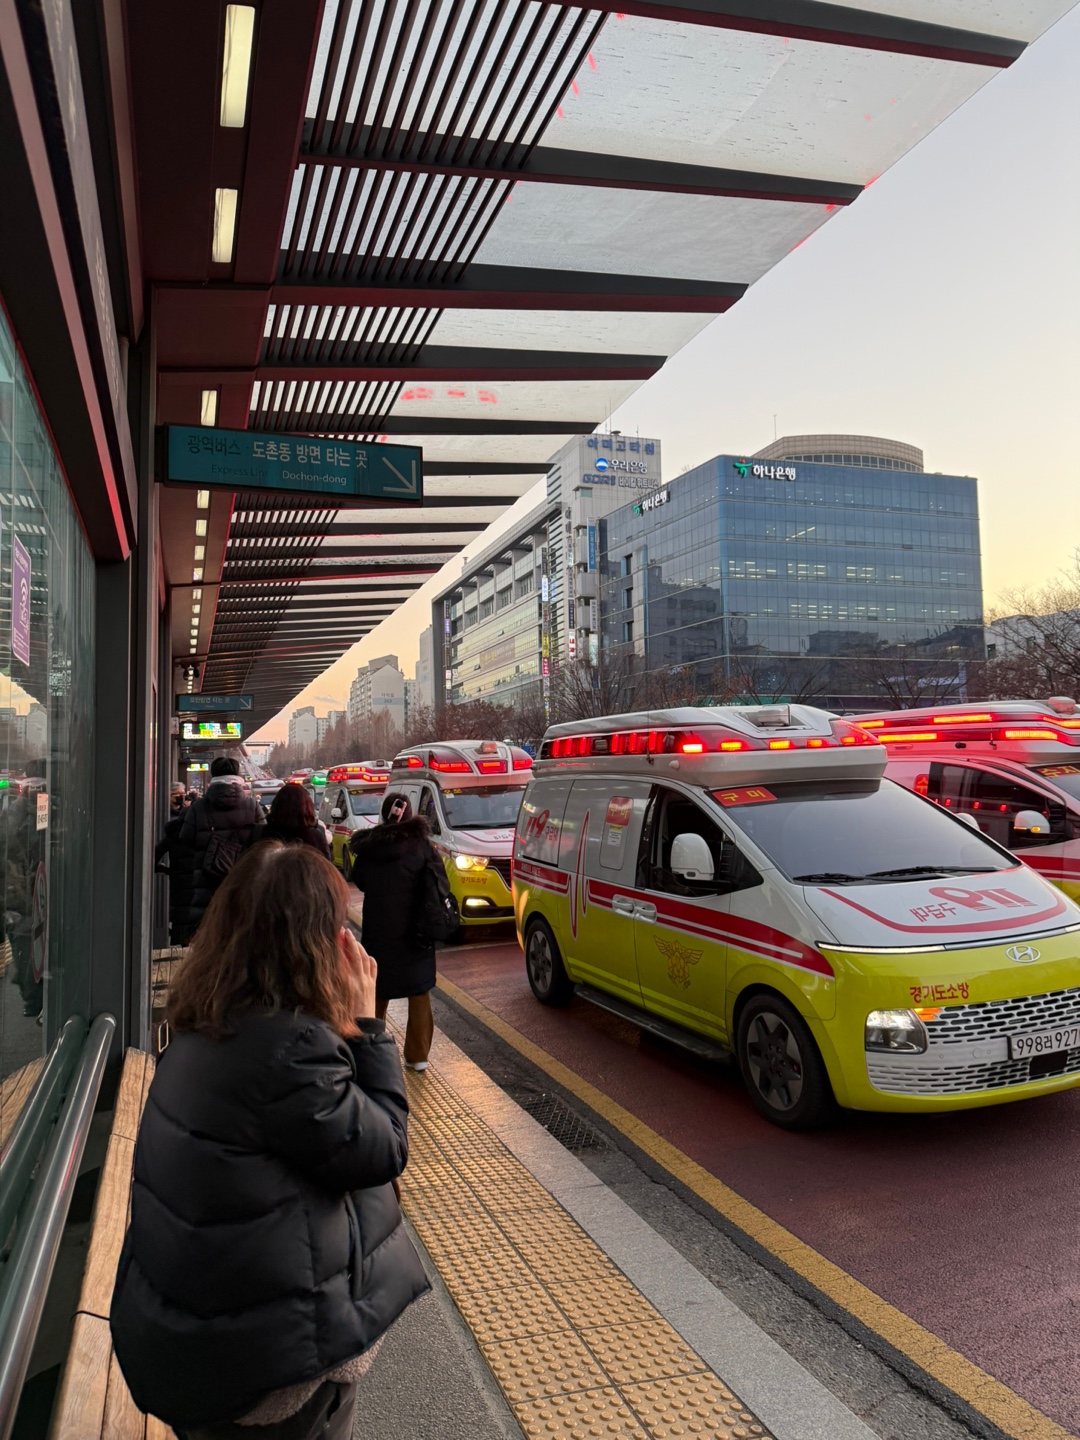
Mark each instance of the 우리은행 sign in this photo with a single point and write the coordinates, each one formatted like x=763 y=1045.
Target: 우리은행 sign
x=293 y=464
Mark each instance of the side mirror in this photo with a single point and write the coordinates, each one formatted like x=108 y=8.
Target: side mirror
x=337 y=814
x=691 y=858
x=968 y=819
x=1030 y=822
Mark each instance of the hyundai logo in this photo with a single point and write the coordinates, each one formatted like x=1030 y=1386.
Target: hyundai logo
x=601 y=463
x=1023 y=954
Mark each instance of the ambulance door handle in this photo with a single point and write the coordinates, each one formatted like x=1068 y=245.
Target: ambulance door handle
x=644 y=911
x=622 y=905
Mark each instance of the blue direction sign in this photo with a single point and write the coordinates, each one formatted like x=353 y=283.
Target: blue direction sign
x=215 y=703
x=294 y=464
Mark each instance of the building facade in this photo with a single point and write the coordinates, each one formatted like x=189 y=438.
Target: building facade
x=777 y=576
x=379 y=687
x=528 y=603
x=424 y=674
x=304 y=727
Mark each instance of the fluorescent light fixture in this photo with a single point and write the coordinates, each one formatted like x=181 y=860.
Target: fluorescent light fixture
x=196 y=608
x=196 y=574
x=200 y=527
x=200 y=552
x=208 y=403
x=194 y=646
x=202 y=499
x=224 y=226
x=236 y=64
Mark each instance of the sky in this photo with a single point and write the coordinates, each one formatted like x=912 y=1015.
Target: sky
x=942 y=308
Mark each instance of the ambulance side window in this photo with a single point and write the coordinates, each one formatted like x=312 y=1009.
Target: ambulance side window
x=670 y=814
x=994 y=801
x=429 y=810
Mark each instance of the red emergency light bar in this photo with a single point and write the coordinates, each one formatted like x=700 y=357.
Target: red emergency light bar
x=713 y=740
x=341 y=774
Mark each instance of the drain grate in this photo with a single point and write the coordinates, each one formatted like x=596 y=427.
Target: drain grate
x=558 y=1119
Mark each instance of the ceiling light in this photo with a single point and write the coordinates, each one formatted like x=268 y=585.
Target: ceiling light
x=224 y=226
x=196 y=608
x=200 y=552
x=194 y=646
x=202 y=499
x=236 y=65
x=196 y=574
x=208 y=407
x=200 y=527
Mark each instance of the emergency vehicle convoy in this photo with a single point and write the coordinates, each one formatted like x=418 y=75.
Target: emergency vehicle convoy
x=1012 y=766
x=351 y=801
x=469 y=791
x=746 y=880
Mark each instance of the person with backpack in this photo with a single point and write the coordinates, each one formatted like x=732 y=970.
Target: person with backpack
x=174 y=859
x=218 y=829
x=396 y=866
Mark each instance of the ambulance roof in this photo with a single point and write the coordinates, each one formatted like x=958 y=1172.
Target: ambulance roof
x=360 y=772
x=466 y=761
x=718 y=745
x=1030 y=731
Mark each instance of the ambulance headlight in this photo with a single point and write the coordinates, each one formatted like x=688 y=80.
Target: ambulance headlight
x=895 y=1031
x=471 y=862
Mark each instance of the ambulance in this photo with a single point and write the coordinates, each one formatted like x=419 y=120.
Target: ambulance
x=351 y=801
x=1012 y=767
x=469 y=791
x=746 y=881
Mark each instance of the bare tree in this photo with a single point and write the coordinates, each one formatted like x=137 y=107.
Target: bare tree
x=771 y=679
x=904 y=677
x=1043 y=625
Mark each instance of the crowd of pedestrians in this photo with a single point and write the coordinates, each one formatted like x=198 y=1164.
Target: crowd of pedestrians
x=266 y=1255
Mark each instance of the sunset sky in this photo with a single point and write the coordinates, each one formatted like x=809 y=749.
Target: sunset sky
x=942 y=309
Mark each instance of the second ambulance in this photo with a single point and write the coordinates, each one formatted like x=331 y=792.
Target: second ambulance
x=469 y=791
x=748 y=880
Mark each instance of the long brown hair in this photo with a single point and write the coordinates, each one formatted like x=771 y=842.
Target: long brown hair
x=292 y=808
x=268 y=941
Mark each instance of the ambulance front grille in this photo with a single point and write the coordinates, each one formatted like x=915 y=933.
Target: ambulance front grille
x=991 y=1019
x=895 y=1078
x=503 y=867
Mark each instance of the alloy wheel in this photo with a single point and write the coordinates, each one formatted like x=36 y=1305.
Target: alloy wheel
x=775 y=1061
x=541 y=963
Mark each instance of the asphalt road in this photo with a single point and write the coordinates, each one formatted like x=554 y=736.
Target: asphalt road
x=967 y=1223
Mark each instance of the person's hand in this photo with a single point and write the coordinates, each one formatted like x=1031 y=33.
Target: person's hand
x=361 y=969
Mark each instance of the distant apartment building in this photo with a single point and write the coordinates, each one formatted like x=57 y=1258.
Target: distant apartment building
x=379 y=686
x=425 y=669
x=304 y=727
x=334 y=717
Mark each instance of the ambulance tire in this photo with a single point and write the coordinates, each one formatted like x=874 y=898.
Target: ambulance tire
x=346 y=861
x=543 y=965
x=782 y=1065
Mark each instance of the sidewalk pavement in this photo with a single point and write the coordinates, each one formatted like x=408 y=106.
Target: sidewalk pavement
x=557 y=1311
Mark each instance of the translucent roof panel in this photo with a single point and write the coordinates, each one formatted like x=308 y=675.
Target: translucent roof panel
x=642 y=232
x=756 y=102
x=1015 y=19
x=485 y=449
x=585 y=400
x=601 y=331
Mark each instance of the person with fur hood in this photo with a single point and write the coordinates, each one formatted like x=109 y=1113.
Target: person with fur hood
x=389 y=861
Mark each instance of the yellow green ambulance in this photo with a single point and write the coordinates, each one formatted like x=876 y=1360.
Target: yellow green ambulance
x=747 y=881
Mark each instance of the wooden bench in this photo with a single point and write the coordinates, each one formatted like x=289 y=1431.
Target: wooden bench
x=94 y=1402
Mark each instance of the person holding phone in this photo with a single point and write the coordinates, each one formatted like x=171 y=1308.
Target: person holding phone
x=266 y=1254
x=388 y=866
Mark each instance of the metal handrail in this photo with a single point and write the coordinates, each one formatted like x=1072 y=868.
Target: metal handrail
x=33 y=1255
x=24 y=1145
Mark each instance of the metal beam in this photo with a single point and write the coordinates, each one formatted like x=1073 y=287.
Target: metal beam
x=390 y=527
x=432 y=425
x=521 y=287
x=329 y=572
x=832 y=25
x=547 y=165
x=437 y=363
x=254 y=555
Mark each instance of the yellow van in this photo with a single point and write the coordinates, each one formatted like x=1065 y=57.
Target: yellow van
x=748 y=882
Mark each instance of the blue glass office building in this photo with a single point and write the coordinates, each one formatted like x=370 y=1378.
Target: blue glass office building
x=810 y=575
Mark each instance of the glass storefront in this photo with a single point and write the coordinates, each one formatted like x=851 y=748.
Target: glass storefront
x=46 y=740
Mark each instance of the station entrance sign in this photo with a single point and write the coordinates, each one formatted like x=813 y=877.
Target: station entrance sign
x=355 y=474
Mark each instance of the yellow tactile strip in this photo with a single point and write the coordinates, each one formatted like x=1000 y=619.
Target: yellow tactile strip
x=578 y=1352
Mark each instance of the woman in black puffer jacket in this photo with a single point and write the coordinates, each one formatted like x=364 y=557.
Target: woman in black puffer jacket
x=266 y=1253
x=388 y=866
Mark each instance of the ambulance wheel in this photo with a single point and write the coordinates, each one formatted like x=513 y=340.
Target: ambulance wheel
x=346 y=862
x=543 y=964
x=782 y=1065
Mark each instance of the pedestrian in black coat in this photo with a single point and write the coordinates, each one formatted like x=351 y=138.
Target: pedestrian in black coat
x=227 y=810
x=292 y=821
x=388 y=866
x=266 y=1252
x=176 y=860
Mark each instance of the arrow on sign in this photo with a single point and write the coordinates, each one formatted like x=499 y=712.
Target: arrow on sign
x=408 y=487
x=246 y=702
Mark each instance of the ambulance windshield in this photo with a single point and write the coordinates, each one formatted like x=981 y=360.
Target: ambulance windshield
x=828 y=832
x=1065 y=777
x=487 y=807
x=366 y=802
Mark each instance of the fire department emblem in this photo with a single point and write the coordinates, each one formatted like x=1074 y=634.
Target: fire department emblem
x=679 y=959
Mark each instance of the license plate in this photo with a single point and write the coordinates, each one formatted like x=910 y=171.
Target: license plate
x=1044 y=1042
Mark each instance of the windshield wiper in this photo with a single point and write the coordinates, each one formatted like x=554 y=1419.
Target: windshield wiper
x=916 y=870
x=827 y=877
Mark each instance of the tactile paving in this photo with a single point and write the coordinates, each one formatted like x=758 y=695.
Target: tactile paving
x=578 y=1351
